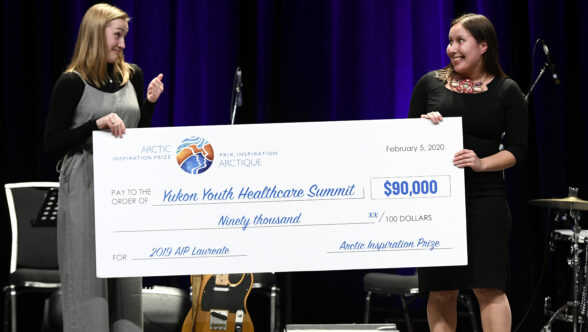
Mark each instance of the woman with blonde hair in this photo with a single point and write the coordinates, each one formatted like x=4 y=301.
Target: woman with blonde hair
x=474 y=87
x=97 y=91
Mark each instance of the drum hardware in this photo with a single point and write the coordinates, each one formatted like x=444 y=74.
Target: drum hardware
x=572 y=205
x=553 y=236
x=584 y=288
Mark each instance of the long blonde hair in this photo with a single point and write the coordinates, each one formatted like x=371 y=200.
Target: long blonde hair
x=90 y=53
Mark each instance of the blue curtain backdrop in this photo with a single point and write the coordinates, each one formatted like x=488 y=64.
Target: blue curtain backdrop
x=309 y=60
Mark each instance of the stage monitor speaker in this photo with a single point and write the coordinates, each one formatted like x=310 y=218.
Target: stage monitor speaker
x=341 y=328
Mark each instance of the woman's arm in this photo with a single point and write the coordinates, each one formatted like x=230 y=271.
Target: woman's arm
x=497 y=162
x=66 y=95
x=515 y=138
x=147 y=107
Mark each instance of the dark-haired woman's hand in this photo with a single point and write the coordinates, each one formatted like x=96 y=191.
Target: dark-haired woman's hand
x=468 y=158
x=435 y=117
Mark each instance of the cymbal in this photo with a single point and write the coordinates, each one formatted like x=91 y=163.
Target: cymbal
x=571 y=202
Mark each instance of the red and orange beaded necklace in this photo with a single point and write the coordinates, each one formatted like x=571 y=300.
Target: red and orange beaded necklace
x=467 y=86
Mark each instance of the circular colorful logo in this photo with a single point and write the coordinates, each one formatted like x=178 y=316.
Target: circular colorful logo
x=195 y=155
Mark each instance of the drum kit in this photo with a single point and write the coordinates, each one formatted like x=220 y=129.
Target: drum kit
x=574 y=310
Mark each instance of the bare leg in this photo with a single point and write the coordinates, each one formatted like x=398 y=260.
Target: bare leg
x=442 y=311
x=494 y=309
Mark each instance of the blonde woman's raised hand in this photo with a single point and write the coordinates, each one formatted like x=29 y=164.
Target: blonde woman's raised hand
x=155 y=88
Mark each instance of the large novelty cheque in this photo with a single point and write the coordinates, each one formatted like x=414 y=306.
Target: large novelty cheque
x=279 y=197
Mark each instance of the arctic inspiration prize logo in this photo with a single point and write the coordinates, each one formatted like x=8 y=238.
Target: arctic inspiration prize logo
x=195 y=155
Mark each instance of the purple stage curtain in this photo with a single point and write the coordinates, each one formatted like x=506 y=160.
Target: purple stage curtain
x=315 y=60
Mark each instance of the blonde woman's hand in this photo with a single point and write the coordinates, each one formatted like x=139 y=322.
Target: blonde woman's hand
x=435 y=117
x=155 y=88
x=112 y=122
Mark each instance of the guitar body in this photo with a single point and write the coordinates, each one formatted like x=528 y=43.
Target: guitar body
x=222 y=304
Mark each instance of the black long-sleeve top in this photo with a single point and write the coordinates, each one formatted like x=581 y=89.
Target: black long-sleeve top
x=68 y=90
x=485 y=116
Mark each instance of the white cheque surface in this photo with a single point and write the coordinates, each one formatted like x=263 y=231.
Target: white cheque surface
x=279 y=197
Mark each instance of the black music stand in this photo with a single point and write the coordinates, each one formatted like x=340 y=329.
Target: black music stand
x=47 y=216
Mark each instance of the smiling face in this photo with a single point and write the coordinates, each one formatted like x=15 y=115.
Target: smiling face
x=465 y=52
x=115 y=31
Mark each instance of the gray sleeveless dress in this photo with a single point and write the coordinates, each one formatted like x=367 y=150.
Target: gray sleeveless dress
x=90 y=303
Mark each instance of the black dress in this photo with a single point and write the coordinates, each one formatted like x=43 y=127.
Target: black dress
x=485 y=117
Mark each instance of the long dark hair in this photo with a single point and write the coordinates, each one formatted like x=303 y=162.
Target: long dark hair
x=483 y=31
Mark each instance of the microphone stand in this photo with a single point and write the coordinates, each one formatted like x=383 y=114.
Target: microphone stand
x=236 y=95
x=541 y=72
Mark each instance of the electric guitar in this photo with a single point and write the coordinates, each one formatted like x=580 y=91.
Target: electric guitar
x=222 y=304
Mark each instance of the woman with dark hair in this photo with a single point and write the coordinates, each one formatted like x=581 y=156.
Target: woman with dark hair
x=474 y=87
x=98 y=91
